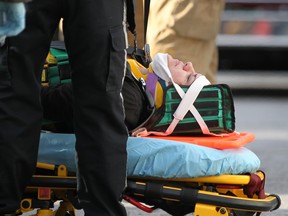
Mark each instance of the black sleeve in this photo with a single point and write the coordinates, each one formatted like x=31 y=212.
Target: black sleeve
x=57 y=103
x=135 y=102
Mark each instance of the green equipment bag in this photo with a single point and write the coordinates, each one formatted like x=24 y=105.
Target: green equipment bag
x=57 y=68
x=214 y=103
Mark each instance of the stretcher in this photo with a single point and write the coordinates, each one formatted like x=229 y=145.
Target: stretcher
x=229 y=184
x=228 y=192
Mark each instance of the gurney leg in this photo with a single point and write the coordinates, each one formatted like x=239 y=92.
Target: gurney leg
x=204 y=210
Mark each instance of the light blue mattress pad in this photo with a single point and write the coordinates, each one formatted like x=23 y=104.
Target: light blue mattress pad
x=158 y=158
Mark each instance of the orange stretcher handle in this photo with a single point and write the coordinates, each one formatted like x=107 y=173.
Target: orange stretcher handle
x=236 y=140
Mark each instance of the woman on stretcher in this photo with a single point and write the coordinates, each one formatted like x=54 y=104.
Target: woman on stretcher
x=146 y=155
x=142 y=90
x=163 y=71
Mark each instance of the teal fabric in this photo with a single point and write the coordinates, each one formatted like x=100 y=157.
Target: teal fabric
x=158 y=158
x=214 y=103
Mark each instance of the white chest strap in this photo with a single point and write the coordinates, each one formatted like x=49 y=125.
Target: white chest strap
x=187 y=104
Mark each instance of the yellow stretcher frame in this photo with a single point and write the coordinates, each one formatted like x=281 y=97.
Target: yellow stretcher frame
x=54 y=183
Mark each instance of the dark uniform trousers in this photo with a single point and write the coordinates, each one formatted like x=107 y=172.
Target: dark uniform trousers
x=95 y=39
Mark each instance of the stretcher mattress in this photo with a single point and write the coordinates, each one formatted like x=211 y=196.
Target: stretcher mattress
x=148 y=157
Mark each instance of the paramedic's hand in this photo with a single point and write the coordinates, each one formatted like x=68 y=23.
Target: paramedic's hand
x=12 y=18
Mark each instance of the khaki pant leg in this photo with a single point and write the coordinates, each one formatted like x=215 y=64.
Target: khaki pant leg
x=187 y=29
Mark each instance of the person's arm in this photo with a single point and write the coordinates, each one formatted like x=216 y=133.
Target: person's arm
x=57 y=103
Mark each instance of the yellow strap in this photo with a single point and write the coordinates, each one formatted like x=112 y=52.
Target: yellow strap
x=51 y=59
x=138 y=74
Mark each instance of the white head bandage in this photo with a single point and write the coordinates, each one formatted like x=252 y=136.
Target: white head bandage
x=160 y=67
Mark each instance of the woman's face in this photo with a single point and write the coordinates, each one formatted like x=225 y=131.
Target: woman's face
x=182 y=73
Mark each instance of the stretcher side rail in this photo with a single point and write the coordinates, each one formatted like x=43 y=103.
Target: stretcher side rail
x=172 y=192
x=240 y=179
x=53 y=182
x=175 y=191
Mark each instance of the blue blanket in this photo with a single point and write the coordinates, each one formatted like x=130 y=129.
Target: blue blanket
x=158 y=158
x=12 y=18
